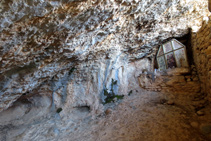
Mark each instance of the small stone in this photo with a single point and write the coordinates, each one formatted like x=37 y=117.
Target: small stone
x=195 y=79
x=108 y=111
x=170 y=102
x=194 y=124
x=188 y=77
x=188 y=80
x=200 y=113
x=158 y=90
x=163 y=101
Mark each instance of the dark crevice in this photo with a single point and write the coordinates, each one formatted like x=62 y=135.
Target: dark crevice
x=83 y=108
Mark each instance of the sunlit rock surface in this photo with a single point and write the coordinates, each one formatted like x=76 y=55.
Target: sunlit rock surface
x=57 y=54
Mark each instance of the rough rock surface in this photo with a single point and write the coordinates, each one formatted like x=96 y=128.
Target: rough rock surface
x=58 y=56
x=142 y=116
x=201 y=42
x=44 y=39
x=172 y=80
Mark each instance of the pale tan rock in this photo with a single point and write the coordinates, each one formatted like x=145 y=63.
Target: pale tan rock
x=200 y=113
x=188 y=80
x=178 y=71
x=170 y=102
x=194 y=124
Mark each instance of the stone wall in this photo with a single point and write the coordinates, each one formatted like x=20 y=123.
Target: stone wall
x=201 y=44
x=172 y=80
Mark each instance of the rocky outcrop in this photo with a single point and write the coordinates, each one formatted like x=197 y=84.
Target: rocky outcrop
x=77 y=47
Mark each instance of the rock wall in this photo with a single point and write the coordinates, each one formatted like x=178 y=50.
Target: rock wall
x=62 y=54
x=201 y=43
x=178 y=80
x=41 y=41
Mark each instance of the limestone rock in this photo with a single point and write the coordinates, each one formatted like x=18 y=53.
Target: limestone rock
x=41 y=41
x=64 y=53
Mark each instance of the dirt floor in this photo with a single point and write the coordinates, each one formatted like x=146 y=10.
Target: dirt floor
x=142 y=116
x=149 y=116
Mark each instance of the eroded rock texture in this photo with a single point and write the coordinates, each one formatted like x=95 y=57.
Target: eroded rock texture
x=41 y=41
x=62 y=54
x=201 y=41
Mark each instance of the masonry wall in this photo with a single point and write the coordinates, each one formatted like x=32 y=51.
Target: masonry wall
x=201 y=44
x=178 y=80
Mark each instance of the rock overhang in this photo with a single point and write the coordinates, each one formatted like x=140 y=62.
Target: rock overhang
x=44 y=38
